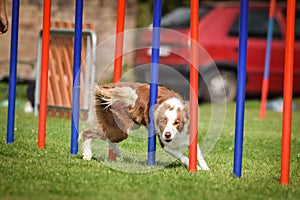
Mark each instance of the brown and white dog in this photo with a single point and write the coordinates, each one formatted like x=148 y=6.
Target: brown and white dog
x=124 y=106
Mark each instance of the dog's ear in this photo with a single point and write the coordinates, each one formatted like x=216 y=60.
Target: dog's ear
x=186 y=109
x=155 y=112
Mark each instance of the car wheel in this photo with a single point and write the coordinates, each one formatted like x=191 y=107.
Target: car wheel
x=219 y=86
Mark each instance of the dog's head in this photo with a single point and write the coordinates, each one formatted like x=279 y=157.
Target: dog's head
x=171 y=118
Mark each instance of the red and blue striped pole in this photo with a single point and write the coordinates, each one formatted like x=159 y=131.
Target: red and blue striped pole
x=194 y=85
x=265 y=83
x=44 y=75
x=13 y=72
x=288 y=92
x=118 y=52
x=241 y=82
x=76 y=76
x=154 y=80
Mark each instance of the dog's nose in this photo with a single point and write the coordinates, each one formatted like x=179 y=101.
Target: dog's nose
x=168 y=135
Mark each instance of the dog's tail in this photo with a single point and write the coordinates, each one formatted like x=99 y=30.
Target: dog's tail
x=109 y=96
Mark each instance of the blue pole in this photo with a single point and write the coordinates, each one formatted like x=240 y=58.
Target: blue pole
x=154 y=80
x=76 y=76
x=13 y=71
x=241 y=82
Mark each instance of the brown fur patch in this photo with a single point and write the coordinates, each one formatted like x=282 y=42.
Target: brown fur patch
x=115 y=120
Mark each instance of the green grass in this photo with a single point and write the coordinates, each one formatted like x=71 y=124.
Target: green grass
x=52 y=173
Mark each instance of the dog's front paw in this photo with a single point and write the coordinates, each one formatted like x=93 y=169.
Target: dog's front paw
x=206 y=168
x=203 y=165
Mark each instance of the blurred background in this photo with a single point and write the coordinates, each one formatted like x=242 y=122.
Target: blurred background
x=101 y=14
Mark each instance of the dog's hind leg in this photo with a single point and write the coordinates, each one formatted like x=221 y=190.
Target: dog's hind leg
x=86 y=149
x=87 y=136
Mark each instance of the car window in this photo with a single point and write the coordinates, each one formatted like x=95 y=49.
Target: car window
x=257 y=25
x=180 y=17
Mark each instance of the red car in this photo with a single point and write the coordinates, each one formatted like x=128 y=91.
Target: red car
x=218 y=36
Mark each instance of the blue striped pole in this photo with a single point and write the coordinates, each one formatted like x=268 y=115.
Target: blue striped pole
x=241 y=82
x=154 y=80
x=13 y=71
x=268 y=50
x=265 y=83
x=76 y=76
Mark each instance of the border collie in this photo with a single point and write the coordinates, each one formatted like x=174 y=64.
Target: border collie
x=124 y=106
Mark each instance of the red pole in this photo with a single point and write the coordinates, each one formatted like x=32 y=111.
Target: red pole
x=44 y=75
x=118 y=52
x=119 y=41
x=194 y=86
x=288 y=92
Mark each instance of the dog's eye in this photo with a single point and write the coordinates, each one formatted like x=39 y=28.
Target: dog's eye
x=162 y=120
x=177 y=122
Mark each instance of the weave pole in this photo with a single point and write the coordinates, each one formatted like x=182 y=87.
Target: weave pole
x=288 y=92
x=76 y=76
x=44 y=75
x=118 y=52
x=265 y=83
x=154 y=80
x=241 y=82
x=194 y=85
x=13 y=72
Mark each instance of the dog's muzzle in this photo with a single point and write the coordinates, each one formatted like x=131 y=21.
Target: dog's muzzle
x=168 y=136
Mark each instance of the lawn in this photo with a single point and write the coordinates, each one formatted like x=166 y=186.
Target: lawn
x=53 y=173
